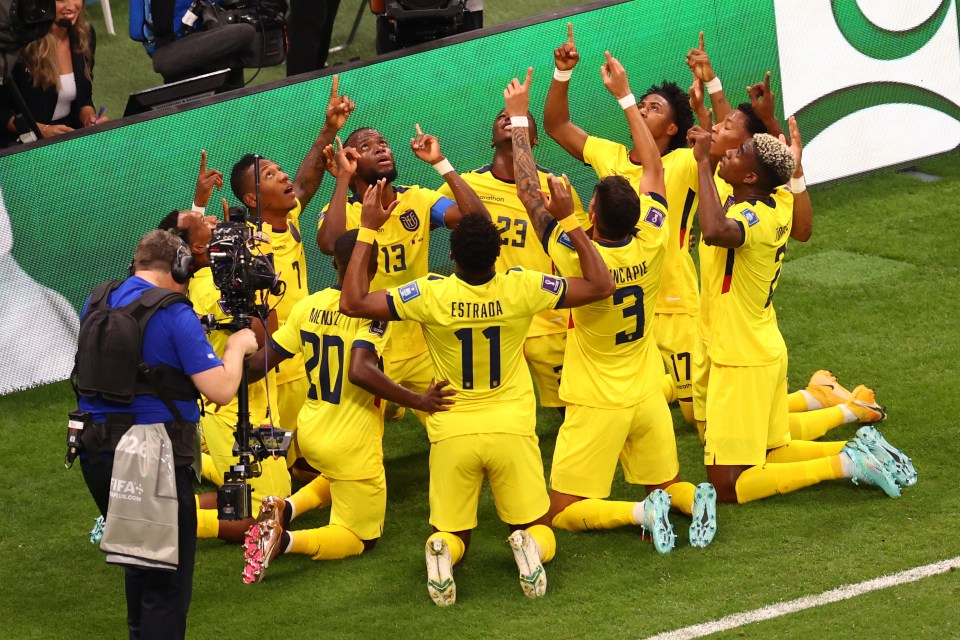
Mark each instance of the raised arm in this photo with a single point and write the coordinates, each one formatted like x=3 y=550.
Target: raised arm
x=717 y=229
x=427 y=148
x=207 y=179
x=335 y=219
x=556 y=111
x=356 y=299
x=614 y=78
x=310 y=173
x=702 y=68
x=365 y=372
x=704 y=115
x=764 y=104
x=802 y=228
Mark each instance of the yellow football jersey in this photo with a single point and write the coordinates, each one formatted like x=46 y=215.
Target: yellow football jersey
x=519 y=244
x=737 y=317
x=338 y=417
x=678 y=291
x=475 y=334
x=206 y=300
x=612 y=360
x=290 y=263
x=403 y=245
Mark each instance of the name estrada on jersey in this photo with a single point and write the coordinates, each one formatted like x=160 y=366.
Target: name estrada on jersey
x=737 y=320
x=475 y=334
x=499 y=195
x=403 y=243
x=678 y=291
x=339 y=421
x=290 y=263
x=612 y=359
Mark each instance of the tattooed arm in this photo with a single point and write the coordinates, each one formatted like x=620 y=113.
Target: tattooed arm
x=310 y=172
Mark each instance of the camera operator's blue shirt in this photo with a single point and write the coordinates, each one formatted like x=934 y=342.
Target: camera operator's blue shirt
x=173 y=337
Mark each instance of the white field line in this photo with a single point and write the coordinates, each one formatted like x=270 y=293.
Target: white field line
x=808 y=602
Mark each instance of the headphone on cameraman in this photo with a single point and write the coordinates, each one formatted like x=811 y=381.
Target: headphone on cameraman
x=183 y=266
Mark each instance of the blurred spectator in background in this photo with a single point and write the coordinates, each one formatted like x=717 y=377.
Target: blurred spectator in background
x=309 y=29
x=55 y=75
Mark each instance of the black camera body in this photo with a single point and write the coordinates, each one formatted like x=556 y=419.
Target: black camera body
x=239 y=272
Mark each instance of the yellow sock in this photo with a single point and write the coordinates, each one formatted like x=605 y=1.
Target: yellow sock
x=686 y=408
x=326 y=543
x=701 y=426
x=207 y=524
x=681 y=496
x=669 y=387
x=545 y=540
x=811 y=425
x=454 y=543
x=209 y=470
x=797 y=402
x=763 y=481
x=800 y=450
x=591 y=513
x=315 y=495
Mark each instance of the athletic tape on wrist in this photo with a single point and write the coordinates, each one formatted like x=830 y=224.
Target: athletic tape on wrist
x=570 y=223
x=443 y=167
x=798 y=185
x=519 y=121
x=627 y=101
x=366 y=235
x=562 y=76
x=198 y=209
x=713 y=86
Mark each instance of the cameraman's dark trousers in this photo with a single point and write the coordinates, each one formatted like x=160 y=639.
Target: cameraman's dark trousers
x=157 y=601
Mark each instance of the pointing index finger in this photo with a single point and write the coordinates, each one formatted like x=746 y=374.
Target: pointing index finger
x=526 y=83
x=701 y=41
x=419 y=131
x=203 y=161
x=766 y=83
x=570 y=32
x=335 y=87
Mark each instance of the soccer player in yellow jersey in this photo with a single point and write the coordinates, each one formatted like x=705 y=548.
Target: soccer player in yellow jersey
x=340 y=426
x=404 y=238
x=749 y=452
x=519 y=246
x=282 y=200
x=613 y=382
x=475 y=323
x=218 y=422
x=666 y=110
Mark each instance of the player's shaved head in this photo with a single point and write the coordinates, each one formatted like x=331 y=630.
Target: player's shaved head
x=616 y=206
x=352 y=138
x=241 y=176
x=475 y=245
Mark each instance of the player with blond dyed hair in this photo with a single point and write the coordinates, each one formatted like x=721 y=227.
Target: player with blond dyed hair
x=749 y=453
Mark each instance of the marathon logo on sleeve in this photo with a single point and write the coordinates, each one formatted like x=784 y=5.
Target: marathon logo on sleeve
x=750 y=217
x=655 y=217
x=552 y=284
x=409 y=291
x=379 y=327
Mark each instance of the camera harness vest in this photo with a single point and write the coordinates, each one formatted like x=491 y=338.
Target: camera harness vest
x=109 y=359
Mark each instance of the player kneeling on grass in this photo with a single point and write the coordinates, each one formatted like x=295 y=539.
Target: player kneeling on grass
x=749 y=453
x=339 y=427
x=475 y=323
x=613 y=372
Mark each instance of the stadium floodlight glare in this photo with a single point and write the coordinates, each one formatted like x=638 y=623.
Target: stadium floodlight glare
x=22 y=22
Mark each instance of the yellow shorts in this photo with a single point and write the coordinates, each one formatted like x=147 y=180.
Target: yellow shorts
x=676 y=335
x=290 y=397
x=218 y=436
x=513 y=467
x=359 y=505
x=545 y=356
x=591 y=440
x=701 y=380
x=746 y=413
x=414 y=373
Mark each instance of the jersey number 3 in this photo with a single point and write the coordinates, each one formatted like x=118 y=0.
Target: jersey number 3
x=635 y=310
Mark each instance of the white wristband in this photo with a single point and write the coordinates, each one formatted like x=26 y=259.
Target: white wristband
x=713 y=86
x=562 y=76
x=798 y=185
x=198 y=209
x=627 y=101
x=443 y=167
x=519 y=121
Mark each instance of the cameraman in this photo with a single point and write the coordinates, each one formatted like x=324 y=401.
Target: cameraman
x=158 y=600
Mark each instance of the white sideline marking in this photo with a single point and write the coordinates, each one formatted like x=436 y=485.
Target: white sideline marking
x=808 y=602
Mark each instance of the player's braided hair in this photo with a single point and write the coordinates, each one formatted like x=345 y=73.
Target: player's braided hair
x=679 y=101
x=774 y=157
x=475 y=244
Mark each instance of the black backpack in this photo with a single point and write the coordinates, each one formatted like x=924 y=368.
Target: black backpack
x=109 y=360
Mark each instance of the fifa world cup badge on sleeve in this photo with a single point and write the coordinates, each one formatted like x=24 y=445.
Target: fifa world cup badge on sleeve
x=551 y=284
x=655 y=217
